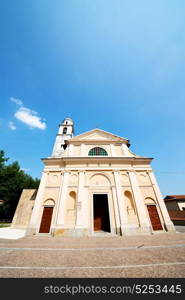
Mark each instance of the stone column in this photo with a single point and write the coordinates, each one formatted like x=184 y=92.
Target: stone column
x=168 y=223
x=139 y=202
x=34 y=222
x=121 y=204
x=81 y=206
x=62 y=201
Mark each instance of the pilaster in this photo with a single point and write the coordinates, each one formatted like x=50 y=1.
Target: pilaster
x=62 y=201
x=116 y=210
x=81 y=211
x=140 y=206
x=121 y=204
x=57 y=205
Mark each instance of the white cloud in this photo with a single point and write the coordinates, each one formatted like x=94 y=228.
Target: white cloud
x=17 y=101
x=27 y=116
x=12 y=126
x=30 y=118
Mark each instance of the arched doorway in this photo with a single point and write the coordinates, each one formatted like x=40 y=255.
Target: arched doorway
x=101 y=213
x=153 y=214
x=47 y=216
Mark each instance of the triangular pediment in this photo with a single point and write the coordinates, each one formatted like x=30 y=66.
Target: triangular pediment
x=98 y=135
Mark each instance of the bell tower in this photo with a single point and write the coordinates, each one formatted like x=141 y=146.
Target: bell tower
x=65 y=132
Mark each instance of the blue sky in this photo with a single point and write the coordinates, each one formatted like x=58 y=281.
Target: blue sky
x=116 y=65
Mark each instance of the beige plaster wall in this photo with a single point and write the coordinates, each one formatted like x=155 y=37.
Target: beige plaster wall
x=118 y=150
x=99 y=179
x=143 y=178
x=76 y=150
x=51 y=193
x=124 y=179
x=103 y=178
x=73 y=179
x=24 y=208
x=53 y=179
x=148 y=192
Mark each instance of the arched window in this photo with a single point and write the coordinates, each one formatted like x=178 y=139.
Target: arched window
x=97 y=151
x=70 y=216
x=65 y=130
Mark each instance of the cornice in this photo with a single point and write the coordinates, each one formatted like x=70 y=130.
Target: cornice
x=96 y=142
x=97 y=159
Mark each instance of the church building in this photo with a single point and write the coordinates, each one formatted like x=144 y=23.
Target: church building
x=93 y=184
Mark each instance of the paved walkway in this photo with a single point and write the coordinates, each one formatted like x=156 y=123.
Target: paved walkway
x=10 y=233
x=160 y=255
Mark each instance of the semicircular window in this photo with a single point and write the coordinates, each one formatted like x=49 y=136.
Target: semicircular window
x=97 y=151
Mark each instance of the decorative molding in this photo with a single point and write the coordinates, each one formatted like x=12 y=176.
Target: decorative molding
x=146 y=185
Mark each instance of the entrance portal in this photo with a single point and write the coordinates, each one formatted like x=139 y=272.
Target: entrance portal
x=46 y=220
x=154 y=217
x=101 y=212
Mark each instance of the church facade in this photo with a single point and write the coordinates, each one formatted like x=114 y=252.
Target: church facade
x=94 y=184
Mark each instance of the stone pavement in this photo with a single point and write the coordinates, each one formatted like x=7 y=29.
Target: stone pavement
x=159 y=255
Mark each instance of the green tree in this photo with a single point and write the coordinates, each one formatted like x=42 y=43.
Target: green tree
x=2 y=159
x=12 y=181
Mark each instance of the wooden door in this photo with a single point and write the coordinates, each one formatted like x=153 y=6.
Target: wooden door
x=46 y=220
x=154 y=217
x=99 y=218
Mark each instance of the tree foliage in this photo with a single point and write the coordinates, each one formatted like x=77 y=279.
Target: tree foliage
x=12 y=181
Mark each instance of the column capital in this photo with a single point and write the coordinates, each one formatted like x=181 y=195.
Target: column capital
x=116 y=171
x=132 y=171
x=81 y=171
x=65 y=171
